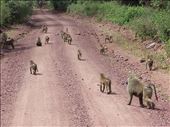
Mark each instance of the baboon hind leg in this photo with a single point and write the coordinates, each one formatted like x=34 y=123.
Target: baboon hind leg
x=102 y=87
x=34 y=72
x=150 y=104
x=130 y=100
x=150 y=66
x=79 y=57
x=141 y=100
x=109 y=89
x=30 y=71
x=12 y=45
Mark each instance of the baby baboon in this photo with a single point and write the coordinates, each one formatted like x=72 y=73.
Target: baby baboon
x=39 y=42
x=135 y=88
x=105 y=82
x=69 y=39
x=47 y=40
x=149 y=62
x=33 y=67
x=64 y=36
x=108 y=38
x=147 y=95
x=10 y=42
x=103 y=49
x=79 y=54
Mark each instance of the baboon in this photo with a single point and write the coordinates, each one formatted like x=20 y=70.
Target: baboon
x=147 y=95
x=149 y=62
x=5 y=41
x=44 y=28
x=135 y=88
x=143 y=92
x=108 y=38
x=10 y=42
x=33 y=67
x=103 y=49
x=69 y=39
x=39 y=42
x=63 y=35
x=47 y=40
x=79 y=54
x=66 y=37
x=105 y=82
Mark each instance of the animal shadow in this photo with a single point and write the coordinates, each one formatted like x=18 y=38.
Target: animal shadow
x=82 y=59
x=39 y=74
x=112 y=93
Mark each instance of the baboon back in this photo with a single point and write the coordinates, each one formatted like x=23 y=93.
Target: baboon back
x=134 y=86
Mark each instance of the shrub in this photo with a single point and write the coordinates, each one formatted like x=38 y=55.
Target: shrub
x=144 y=27
x=145 y=21
x=5 y=13
x=60 y=4
x=162 y=23
x=19 y=10
x=167 y=48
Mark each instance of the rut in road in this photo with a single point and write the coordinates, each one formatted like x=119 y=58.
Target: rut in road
x=65 y=91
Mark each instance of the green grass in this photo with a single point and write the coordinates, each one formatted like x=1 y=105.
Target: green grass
x=146 y=22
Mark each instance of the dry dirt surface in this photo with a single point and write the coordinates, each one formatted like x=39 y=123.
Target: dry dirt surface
x=65 y=91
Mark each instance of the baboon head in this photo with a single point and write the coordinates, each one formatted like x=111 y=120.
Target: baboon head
x=31 y=62
x=102 y=75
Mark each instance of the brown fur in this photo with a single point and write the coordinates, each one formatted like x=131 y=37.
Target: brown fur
x=105 y=82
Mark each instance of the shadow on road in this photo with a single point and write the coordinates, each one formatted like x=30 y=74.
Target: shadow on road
x=39 y=74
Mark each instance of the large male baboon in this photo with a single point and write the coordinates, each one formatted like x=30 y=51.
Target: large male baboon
x=144 y=92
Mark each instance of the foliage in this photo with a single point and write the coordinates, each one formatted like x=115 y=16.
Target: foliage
x=145 y=21
x=61 y=4
x=15 y=11
x=5 y=13
x=167 y=48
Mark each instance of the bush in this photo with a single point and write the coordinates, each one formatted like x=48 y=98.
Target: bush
x=144 y=27
x=60 y=4
x=167 y=48
x=162 y=23
x=5 y=13
x=15 y=11
x=90 y=9
x=145 y=21
x=19 y=10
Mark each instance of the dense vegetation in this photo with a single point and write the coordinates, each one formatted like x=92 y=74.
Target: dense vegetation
x=14 y=11
x=147 y=21
x=148 y=18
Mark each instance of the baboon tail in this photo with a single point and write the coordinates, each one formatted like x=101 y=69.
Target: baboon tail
x=155 y=91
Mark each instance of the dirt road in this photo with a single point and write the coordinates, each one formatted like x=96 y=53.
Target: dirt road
x=65 y=91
